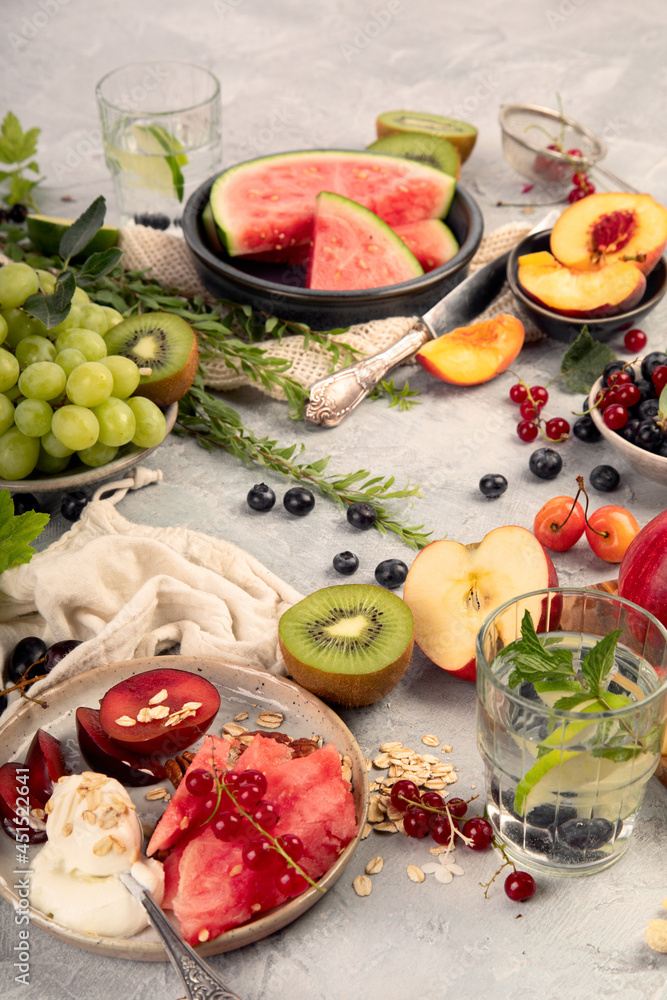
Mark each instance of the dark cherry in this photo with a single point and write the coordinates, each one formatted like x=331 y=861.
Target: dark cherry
x=26 y=652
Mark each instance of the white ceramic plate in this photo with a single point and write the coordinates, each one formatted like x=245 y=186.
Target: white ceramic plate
x=241 y=689
x=80 y=476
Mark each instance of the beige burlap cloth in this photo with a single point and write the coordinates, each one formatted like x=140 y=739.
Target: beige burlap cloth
x=169 y=261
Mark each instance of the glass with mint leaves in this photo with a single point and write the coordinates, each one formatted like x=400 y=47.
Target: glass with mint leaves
x=161 y=128
x=571 y=714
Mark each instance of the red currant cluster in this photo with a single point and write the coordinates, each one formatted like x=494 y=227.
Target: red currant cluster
x=531 y=400
x=427 y=812
x=582 y=184
x=236 y=809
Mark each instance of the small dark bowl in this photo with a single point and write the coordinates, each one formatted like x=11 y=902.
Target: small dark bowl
x=566 y=328
x=278 y=289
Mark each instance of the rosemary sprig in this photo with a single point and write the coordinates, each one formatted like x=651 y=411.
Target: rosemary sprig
x=402 y=398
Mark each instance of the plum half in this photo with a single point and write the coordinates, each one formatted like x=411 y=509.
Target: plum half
x=46 y=764
x=16 y=820
x=159 y=711
x=103 y=755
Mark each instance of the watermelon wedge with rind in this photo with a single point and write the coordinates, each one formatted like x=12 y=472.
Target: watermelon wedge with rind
x=352 y=248
x=430 y=240
x=269 y=203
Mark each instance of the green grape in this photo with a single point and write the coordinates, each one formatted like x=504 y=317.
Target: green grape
x=98 y=454
x=33 y=417
x=71 y=321
x=32 y=349
x=94 y=318
x=49 y=465
x=69 y=359
x=21 y=325
x=17 y=282
x=125 y=373
x=117 y=422
x=18 y=454
x=53 y=447
x=151 y=425
x=91 y=345
x=6 y=413
x=43 y=380
x=47 y=281
x=113 y=317
x=9 y=370
x=89 y=384
x=81 y=297
x=75 y=427
x=13 y=394
x=4 y=329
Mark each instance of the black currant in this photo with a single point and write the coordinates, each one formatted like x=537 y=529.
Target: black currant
x=629 y=432
x=648 y=408
x=651 y=362
x=646 y=389
x=72 y=504
x=648 y=436
x=584 y=428
x=346 y=563
x=26 y=501
x=493 y=485
x=391 y=573
x=17 y=213
x=299 y=501
x=545 y=463
x=261 y=497
x=362 y=515
x=604 y=478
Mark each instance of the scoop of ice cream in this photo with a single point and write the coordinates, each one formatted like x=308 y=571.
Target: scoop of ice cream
x=93 y=825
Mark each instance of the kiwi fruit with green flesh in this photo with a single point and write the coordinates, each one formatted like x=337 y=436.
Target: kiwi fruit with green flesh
x=462 y=135
x=349 y=644
x=429 y=149
x=164 y=343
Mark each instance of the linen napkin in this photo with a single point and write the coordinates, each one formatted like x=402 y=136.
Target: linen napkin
x=129 y=590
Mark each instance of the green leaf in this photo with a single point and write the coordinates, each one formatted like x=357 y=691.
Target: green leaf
x=97 y=265
x=20 y=188
x=532 y=661
x=571 y=702
x=584 y=362
x=52 y=309
x=598 y=664
x=618 y=754
x=11 y=139
x=16 y=532
x=173 y=159
x=81 y=232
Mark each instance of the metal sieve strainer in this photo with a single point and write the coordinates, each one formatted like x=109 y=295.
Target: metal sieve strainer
x=527 y=131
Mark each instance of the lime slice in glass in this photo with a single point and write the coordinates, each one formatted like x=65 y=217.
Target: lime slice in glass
x=155 y=160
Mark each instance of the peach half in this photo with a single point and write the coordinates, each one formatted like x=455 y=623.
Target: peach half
x=473 y=354
x=608 y=227
x=611 y=290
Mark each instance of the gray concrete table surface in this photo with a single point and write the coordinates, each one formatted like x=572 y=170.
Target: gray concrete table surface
x=297 y=75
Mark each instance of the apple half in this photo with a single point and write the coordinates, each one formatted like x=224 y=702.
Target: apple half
x=451 y=588
x=611 y=290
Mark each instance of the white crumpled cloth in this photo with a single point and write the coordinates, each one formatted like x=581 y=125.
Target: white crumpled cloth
x=130 y=590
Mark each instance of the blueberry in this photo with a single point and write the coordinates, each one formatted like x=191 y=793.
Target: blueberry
x=546 y=814
x=585 y=833
x=584 y=428
x=507 y=797
x=629 y=432
x=545 y=463
x=299 y=501
x=648 y=436
x=261 y=497
x=346 y=563
x=646 y=389
x=604 y=478
x=17 y=213
x=649 y=408
x=493 y=485
x=153 y=220
x=362 y=515
x=26 y=501
x=651 y=362
x=391 y=573
x=537 y=839
x=72 y=504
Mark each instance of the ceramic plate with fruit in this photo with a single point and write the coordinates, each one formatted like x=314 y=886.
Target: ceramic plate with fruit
x=124 y=729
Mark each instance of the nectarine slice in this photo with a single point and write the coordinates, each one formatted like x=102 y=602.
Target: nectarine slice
x=608 y=227
x=582 y=294
x=473 y=354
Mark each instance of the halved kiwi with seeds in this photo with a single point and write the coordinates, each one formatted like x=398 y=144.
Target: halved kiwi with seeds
x=349 y=644
x=462 y=135
x=429 y=149
x=164 y=343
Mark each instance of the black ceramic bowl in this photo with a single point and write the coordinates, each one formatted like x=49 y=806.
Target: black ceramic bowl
x=279 y=289
x=566 y=328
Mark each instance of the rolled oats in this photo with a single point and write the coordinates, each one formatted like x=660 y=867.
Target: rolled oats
x=386 y=827
x=191 y=706
x=159 y=711
x=415 y=874
x=430 y=740
x=270 y=720
x=382 y=761
x=362 y=885
x=241 y=717
x=366 y=830
x=374 y=866
x=102 y=847
x=145 y=715
x=126 y=721
x=89 y=817
x=389 y=747
x=67 y=829
x=153 y=794
x=233 y=729
x=159 y=697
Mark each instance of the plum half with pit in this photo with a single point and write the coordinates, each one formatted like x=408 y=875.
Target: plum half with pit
x=159 y=711
x=16 y=820
x=103 y=755
x=46 y=763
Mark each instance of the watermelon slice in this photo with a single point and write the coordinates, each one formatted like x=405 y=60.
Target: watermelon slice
x=206 y=883
x=268 y=203
x=430 y=240
x=353 y=248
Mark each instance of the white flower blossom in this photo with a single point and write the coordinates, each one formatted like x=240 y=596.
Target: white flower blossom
x=444 y=869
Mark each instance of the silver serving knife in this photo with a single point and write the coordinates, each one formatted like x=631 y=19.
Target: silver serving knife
x=332 y=398
x=199 y=979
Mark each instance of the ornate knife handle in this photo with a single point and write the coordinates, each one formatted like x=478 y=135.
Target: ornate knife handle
x=333 y=397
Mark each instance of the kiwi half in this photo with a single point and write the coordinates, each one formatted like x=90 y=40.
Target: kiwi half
x=462 y=135
x=164 y=343
x=349 y=644
x=429 y=149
